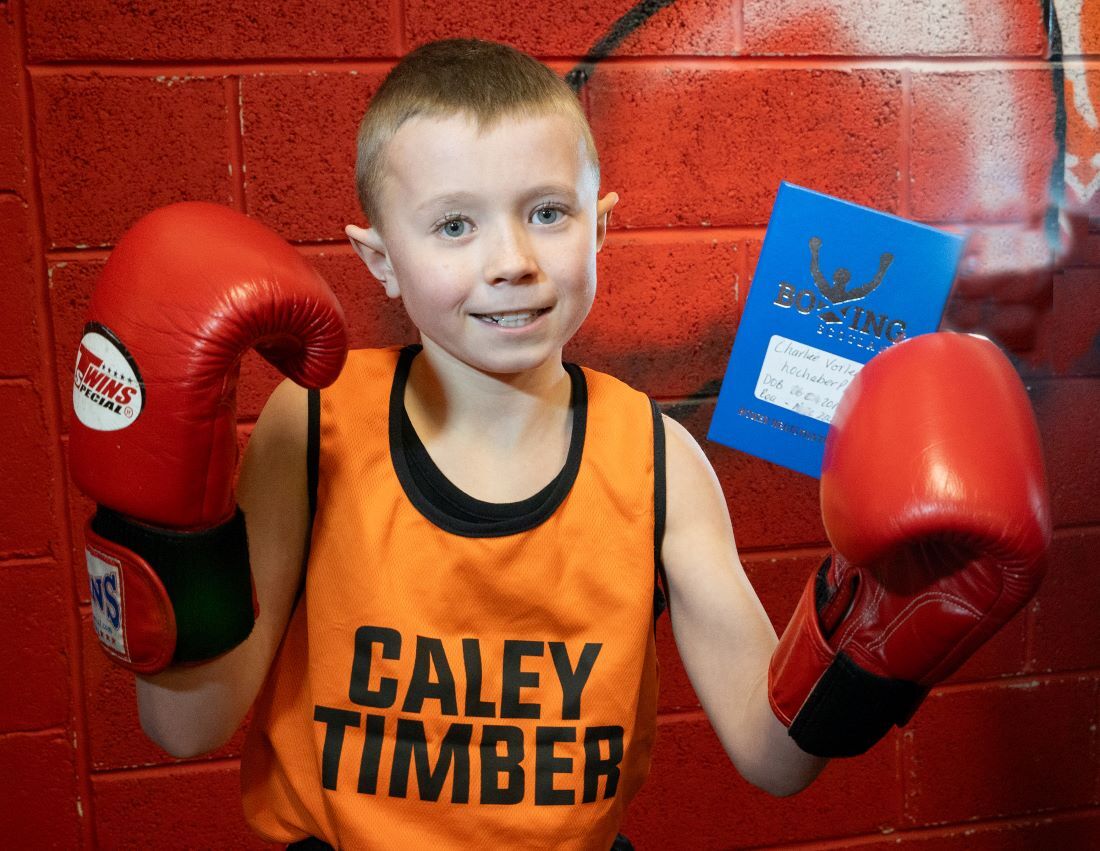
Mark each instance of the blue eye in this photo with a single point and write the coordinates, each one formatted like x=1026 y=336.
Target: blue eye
x=547 y=215
x=454 y=227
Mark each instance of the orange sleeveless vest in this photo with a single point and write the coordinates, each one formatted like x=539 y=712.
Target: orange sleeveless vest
x=441 y=689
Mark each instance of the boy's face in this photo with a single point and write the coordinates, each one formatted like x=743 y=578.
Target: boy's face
x=489 y=236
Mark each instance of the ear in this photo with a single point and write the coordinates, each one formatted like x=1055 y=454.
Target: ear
x=370 y=247
x=603 y=216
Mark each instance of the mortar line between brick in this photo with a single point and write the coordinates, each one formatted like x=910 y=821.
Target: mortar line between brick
x=29 y=558
x=331 y=247
x=946 y=831
x=399 y=23
x=811 y=62
x=739 y=28
x=905 y=119
x=299 y=65
x=51 y=403
x=745 y=272
x=1030 y=615
x=44 y=732
x=83 y=255
x=1095 y=744
x=144 y=68
x=665 y=234
x=191 y=767
x=674 y=401
x=814 y=551
x=742 y=231
x=1027 y=680
x=681 y=716
x=1077 y=528
x=648 y=233
x=234 y=107
x=44 y=562
x=651 y=233
x=903 y=754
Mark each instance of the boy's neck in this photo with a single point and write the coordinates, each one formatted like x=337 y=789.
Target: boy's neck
x=447 y=399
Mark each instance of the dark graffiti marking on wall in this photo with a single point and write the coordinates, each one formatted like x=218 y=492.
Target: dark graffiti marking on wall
x=614 y=36
x=1022 y=231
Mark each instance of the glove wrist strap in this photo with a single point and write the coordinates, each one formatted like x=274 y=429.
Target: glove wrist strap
x=832 y=706
x=166 y=597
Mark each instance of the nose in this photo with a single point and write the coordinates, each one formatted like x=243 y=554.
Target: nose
x=511 y=256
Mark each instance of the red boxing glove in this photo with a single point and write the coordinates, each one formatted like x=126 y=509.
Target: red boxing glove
x=187 y=290
x=934 y=497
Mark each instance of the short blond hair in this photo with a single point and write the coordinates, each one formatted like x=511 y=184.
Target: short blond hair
x=480 y=79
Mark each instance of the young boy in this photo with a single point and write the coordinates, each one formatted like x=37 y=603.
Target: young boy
x=459 y=548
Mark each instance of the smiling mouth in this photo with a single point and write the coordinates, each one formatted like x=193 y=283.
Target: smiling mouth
x=513 y=318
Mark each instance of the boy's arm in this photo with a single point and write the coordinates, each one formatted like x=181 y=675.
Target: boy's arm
x=939 y=540
x=192 y=710
x=722 y=631
x=938 y=532
x=186 y=292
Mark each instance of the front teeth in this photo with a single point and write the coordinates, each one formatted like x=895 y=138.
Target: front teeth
x=511 y=320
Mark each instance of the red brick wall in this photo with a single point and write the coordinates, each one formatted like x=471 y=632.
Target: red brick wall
x=944 y=110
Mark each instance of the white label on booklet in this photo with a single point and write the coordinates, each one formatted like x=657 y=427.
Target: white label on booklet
x=105 y=576
x=804 y=379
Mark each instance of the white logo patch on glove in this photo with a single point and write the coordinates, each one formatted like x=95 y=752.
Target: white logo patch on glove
x=108 y=393
x=105 y=577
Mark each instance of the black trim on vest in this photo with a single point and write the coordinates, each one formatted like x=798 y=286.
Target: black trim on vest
x=311 y=843
x=313 y=455
x=660 y=581
x=560 y=487
x=453 y=501
x=313 y=472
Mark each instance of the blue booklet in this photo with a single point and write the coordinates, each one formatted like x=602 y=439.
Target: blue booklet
x=835 y=284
